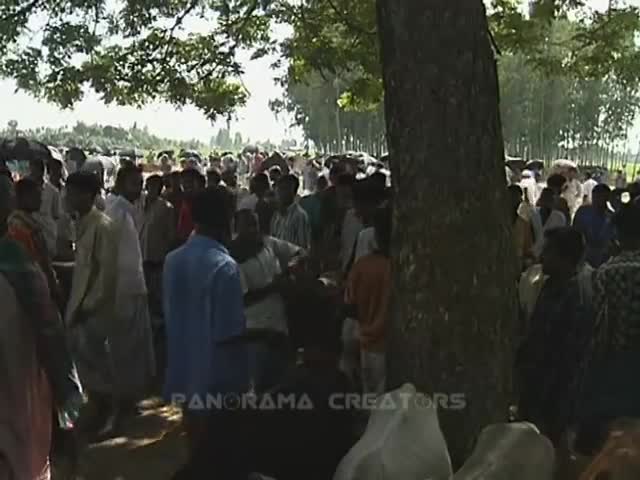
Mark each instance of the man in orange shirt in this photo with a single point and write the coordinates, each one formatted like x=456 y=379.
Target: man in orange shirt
x=368 y=292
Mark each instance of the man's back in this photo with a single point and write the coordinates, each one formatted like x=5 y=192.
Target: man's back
x=203 y=307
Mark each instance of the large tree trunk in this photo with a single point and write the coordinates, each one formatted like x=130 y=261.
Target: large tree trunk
x=454 y=270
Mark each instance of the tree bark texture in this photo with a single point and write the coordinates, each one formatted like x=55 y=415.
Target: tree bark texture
x=454 y=310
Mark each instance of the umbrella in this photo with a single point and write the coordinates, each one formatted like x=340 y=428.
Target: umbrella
x=190 y=154
x=56 y=155
x=168 y=153
x=98 y=163
x=515 y=163
x=275 y=160
x=131 y=153
x=24 y=149
x=251 y=149
x=535 y=165
x=76 y=157
x=564 y=163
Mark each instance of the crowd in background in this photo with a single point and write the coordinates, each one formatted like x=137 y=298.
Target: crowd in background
x=189 y=282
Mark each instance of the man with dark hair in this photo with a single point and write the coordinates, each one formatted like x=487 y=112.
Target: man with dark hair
x=612 y=391
x=131 y=342
x=213 y=177
x=91 y=308
x=157 y=238
x=290 y=221
x=37 y=369
x=192 y=183
x=204 y=307
x=595 y=221
x=549 y=362
x=25 y=229
x=50 y=209
x=368 y=292
x=312 y=204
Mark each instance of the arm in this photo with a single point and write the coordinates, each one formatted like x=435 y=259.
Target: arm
x=56 y=205
x=304 y=233
x=103 y=288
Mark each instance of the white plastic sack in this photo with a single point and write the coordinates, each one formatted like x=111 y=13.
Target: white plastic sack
x=403 y=440
x=510 y=451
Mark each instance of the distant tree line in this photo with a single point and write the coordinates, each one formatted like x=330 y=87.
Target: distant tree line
x=99 y=137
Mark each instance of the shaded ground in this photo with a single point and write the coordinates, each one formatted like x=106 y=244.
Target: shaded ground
x=151 y=448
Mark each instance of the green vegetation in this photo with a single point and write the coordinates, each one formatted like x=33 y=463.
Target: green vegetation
x=100 y=137
x=569 y=74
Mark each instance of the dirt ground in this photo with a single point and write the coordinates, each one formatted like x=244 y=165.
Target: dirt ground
x=151 y=447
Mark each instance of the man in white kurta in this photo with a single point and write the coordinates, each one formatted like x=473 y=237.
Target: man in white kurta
x=132 y=342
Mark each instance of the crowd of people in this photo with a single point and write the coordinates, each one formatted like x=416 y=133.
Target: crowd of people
x=191 y=283
x=577 y=245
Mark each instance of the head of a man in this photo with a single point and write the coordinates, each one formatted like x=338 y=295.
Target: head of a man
x=563 y=251
x=321 y=184
x=55 y=172
x=627 y=223
x=82 y=189
x=28 y=195
x=192 y=181
x=230 y=178
x=600 y=197
x=212 y=211
x=213 y=177
x=557 y=183
x=247 y=225
x=515 y=196
x=259 y=185
x=154 y=186
x=129 y=182
x=275 y=174
x=286 y=191
x=36 y=169
x=546 y=199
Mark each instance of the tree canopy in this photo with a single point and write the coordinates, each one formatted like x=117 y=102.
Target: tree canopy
x=186 y=52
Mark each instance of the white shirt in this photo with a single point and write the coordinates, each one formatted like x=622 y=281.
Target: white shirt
x=260 y=272
x=587 y=189
x=130 y=272
x=366 y=243
x=248 y=202
x=556 y=219
x=48 y=216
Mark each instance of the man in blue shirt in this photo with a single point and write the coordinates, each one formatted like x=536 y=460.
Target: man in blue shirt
x=204 y=309
x=595 y=222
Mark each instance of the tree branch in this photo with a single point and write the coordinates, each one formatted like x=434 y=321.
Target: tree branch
x=347 y=21
x=24 y=10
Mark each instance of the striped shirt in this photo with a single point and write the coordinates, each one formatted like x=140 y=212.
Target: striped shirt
x=292 y=227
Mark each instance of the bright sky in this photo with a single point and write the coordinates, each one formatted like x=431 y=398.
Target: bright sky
x=255 y=120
